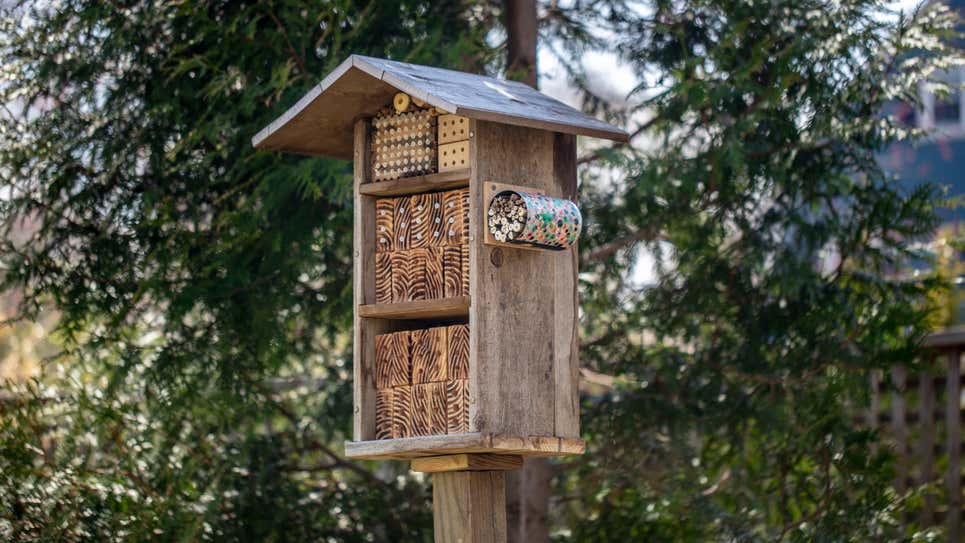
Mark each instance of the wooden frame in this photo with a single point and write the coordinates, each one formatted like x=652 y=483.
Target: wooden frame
x=521 y=308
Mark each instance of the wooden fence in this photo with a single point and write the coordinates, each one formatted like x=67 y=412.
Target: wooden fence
x=921 y=416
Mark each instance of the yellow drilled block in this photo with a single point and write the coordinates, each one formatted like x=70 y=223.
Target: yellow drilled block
x=454 y=156
x=453 y=128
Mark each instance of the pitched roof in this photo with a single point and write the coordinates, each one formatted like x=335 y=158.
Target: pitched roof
x=320 y=123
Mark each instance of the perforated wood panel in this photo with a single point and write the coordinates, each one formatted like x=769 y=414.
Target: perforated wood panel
x=453 y=128
x=454 y=156
x=404 y=144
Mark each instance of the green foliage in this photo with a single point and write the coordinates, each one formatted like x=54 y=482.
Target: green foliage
x=778 y=243
x=203 y=288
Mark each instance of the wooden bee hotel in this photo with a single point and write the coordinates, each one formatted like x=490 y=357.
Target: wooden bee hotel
x=465 y=275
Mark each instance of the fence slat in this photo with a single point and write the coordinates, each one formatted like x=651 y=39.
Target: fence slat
x=899 y=429
x=953 y=426
x=926 y=440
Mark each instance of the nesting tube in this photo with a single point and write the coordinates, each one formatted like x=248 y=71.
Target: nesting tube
x=533 y=219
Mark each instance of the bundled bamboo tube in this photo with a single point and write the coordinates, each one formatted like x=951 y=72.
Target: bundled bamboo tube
x=533 y=219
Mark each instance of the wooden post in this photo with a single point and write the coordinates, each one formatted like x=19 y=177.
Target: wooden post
x=899 y=429
x=926 y=441
x=468 y=495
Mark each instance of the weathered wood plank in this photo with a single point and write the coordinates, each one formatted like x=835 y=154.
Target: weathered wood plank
x=513 y=341
x=363 y=288
x=566 y=334
x=422 y=183
x=474 y=442
x=421 y=309
x=467 y=462
x=953 y=443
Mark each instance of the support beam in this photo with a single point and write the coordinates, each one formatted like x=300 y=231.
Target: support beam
x=467 y=462
x=469 y=506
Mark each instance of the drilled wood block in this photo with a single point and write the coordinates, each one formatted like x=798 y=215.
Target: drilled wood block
x=454 y=156
x=403 y=144
x=453 y=128
x=401 y=223
x=392 y=359
x=457 y=351
x=437 y=228
x=402 y=412
x=429 y=355
x=435 y=278
x=419 y=205
x=452 y=271
x=452 y=217
x=409 y=275
x=383 y=413
x=429 y=409
x=464 y=268
x=457 y=406
x=384 y=212
x=383 y=278
x=464 y=197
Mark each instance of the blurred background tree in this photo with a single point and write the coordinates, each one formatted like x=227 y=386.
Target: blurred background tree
x=201 y=389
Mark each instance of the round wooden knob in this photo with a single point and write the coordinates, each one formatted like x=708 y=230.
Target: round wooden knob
x=401 y=102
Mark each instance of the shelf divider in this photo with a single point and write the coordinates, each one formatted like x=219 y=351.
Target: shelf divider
x=455 y=179
x=457 y=306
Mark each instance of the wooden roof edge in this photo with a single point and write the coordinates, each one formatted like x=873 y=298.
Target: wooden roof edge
x=370 y=67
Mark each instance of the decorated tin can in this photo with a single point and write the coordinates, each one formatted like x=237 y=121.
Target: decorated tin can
x=533 y=219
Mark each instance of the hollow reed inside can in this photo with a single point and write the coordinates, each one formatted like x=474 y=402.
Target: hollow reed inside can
x=525 y=218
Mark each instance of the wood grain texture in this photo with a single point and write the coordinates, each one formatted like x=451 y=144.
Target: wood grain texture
x=384 y=219
x=401 y=223
x=566 y=303
x=517 y=352
x=437 y=229
x=421 y=309
x=393 y=366
x=464 y=268
x=435 y=277
x=469 y=507
x=419 y=206
x=464 y=200
x=457 y=406
x=454 y=156
x=402 y=412
x=408 y=275
x=452 y=217
x=472 y=442
x=457 y=356
x=429 y=355
x=452 y=271
x=421 y=183
x=363 y=288
x=383 y=278
x=428 y=415
x=383 y=413
x=467 y=462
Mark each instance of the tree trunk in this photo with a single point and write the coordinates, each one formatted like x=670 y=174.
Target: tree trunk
x=521 y=31
x=528 y=495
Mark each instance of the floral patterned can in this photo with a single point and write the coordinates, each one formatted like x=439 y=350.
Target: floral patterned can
x=547 y=223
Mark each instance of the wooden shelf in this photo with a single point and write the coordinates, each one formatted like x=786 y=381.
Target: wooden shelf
x=415 y=447
x=457 y=306
x=455 y=179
